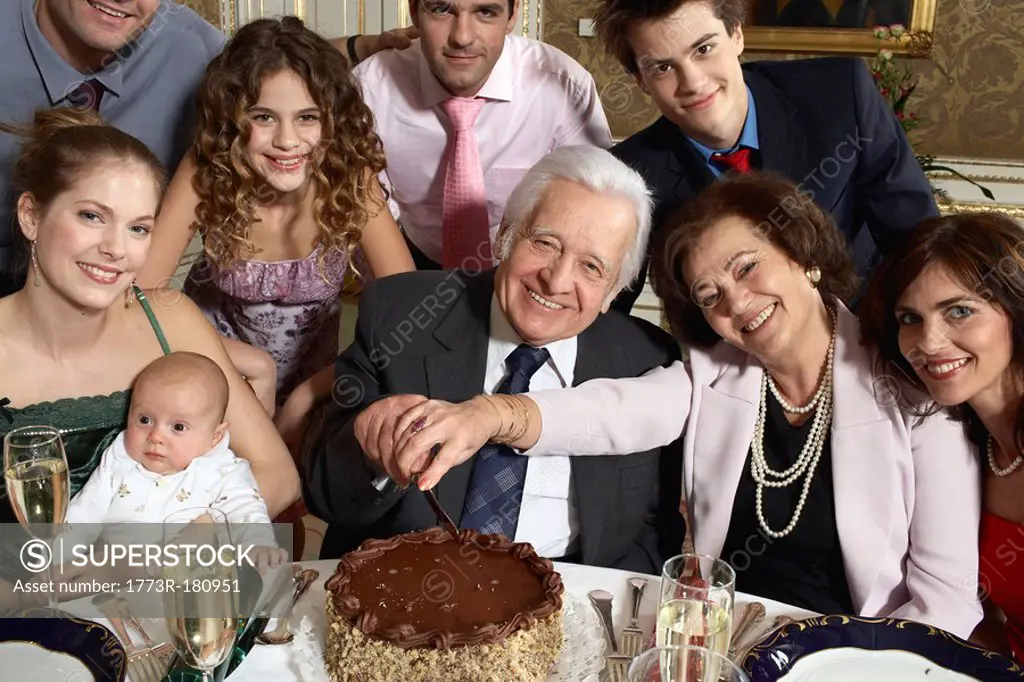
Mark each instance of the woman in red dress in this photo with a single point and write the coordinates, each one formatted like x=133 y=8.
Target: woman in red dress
x=947 y=312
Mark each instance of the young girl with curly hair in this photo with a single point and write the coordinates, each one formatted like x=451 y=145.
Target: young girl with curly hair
x=282 y=186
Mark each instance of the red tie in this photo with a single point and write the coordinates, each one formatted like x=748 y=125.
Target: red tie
x=738 y=159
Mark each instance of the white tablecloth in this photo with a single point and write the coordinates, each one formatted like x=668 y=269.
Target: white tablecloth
x=287 y=663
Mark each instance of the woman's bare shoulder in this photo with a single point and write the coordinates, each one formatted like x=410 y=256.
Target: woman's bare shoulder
x=182 y=322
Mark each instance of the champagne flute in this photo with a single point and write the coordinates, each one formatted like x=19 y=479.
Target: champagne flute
x=684 y=664
x=36 y=474
x=201 y=617
x=697 y=594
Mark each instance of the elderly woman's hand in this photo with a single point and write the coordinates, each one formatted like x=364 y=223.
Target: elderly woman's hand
x=459 y=429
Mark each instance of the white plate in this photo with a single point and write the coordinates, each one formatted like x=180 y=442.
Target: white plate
x=858 y=665
x=28 y=661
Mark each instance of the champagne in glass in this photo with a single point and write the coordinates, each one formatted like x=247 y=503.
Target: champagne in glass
x=39 y=492
x=694 y=622
x=204 y=643
x=36 y=476
x=697 y=593
x=201 y=611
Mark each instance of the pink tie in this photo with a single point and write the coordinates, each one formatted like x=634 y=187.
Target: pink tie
x=466 y=227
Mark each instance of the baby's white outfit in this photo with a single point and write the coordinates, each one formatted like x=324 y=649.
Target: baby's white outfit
x=121 y=490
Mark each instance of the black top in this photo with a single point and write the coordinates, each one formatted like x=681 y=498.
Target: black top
x=805 y=568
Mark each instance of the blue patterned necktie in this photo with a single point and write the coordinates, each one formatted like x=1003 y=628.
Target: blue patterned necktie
x=496 y=484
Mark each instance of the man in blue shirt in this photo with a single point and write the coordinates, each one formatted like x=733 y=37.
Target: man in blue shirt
x=138 y=62
x=819 y=122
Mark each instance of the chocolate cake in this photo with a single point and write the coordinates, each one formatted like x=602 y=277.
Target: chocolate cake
x=427 y=607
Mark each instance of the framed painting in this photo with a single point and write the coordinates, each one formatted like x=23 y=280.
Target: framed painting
x=840 y=26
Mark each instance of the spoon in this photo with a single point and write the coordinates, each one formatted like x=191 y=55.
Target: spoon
x=282 y=634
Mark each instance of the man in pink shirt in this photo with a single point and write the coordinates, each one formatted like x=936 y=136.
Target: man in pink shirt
x=463 y=114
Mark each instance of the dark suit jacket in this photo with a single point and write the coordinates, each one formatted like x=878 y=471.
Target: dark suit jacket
x=822 y=124
x=427 y=333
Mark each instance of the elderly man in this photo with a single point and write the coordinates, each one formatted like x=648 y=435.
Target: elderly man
x=574 y=233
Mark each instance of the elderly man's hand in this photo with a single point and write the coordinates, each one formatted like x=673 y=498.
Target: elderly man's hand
x=395 y=39
x=375 y=426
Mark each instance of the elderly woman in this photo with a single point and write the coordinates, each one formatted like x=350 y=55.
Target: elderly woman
x=947 y=312
x=77 y=334
x=820 y=490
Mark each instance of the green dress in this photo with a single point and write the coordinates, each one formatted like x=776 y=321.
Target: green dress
x=87 y=425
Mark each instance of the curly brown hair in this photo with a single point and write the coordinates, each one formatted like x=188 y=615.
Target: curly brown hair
x=615 y=17
x=62 y=145
x=785 y=217
x=345 y=163
x=984 y=253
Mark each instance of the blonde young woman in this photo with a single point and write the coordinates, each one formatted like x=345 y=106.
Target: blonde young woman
x=80 y=330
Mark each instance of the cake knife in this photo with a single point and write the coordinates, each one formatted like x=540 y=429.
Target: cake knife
x=442 y=516
x=385 y=484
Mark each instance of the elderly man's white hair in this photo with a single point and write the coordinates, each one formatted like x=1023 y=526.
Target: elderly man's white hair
x=594 y=169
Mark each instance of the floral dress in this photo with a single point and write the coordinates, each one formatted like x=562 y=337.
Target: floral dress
x=286 y=308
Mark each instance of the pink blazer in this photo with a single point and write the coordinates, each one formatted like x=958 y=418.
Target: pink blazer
x=907 y=491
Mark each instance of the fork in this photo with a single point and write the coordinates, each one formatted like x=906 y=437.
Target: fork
x=157 y=656
x=750 y=619
x=632 y=636
x=777 y=624
x=616 y=663
x=140 y=667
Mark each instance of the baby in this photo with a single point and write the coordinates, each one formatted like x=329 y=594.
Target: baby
x=174 y=455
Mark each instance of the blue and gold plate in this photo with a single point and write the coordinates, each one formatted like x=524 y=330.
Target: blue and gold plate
x=848 y=648
x=59 y=650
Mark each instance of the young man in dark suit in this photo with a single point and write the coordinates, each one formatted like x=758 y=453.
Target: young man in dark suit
x=819 y=122
x=574 y=233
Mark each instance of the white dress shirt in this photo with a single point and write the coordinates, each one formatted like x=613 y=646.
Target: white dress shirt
x=539 y=99
x=547 y=515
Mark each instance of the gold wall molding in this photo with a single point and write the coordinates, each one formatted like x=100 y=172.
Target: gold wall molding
x=947 y=207
x=917 y=41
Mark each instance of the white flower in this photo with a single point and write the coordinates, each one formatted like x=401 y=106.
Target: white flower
x=897 y=30
x=882 y=32
x=885 y=55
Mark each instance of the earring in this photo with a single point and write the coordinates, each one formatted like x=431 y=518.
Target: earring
x=813 y=276
x=129 y=295
x=36 y=280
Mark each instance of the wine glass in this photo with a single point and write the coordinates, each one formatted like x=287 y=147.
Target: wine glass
x=202 y=611
x=697 y=594
x=36 y=474
x=684 y=664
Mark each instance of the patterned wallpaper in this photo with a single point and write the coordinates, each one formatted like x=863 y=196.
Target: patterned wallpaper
x=977 y=111
x=208 y=9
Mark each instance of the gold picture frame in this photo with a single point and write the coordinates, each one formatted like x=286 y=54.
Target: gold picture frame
x=916 y=41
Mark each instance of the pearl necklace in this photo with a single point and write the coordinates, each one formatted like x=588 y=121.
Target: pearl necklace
x=1014 y=465
x=810 y=455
